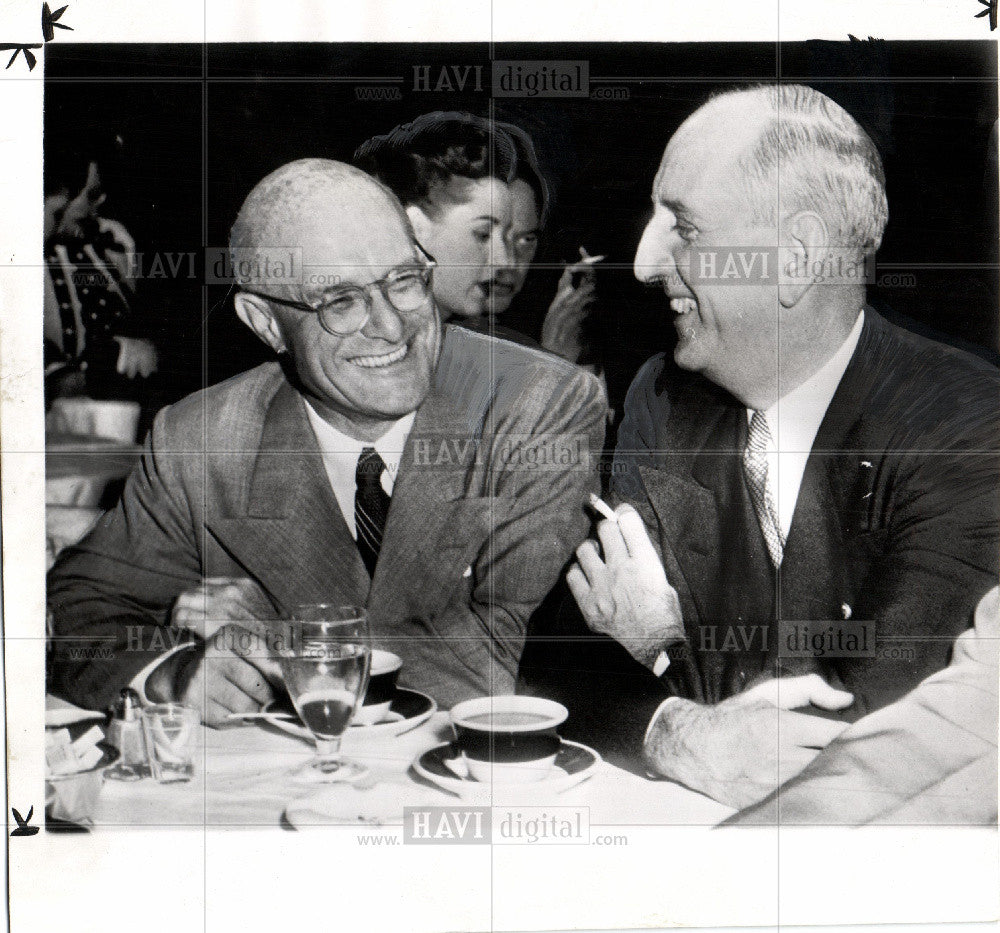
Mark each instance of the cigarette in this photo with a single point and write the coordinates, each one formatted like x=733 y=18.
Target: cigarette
x=599 y=505
x=590 y=260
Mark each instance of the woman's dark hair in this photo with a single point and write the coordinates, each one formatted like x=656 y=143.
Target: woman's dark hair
x=527 y=169
x=416 y=157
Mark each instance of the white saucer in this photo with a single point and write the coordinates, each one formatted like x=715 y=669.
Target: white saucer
x=444 y=767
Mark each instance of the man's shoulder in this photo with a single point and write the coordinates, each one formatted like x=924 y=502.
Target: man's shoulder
x=475 y=367
x=226 y=410
x=916 y=380
x=901 y=353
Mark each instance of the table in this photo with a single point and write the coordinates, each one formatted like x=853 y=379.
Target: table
x=240 y=781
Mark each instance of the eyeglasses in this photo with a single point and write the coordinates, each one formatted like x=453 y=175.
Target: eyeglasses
x=348 y=308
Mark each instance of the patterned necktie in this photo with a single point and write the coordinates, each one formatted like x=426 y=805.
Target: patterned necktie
x=755 y=470
x=371 y=506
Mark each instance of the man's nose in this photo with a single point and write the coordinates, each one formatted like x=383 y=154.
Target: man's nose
x=384 y=321
x=654 y=257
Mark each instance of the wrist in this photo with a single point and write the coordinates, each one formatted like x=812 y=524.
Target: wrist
x=664 y=744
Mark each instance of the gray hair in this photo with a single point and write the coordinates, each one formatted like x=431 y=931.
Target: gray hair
x=816 y=155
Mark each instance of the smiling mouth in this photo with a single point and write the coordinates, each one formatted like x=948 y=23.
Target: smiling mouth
x=381 y=361
x=682 y=306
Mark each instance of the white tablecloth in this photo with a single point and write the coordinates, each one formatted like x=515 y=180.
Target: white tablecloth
x=241 y=780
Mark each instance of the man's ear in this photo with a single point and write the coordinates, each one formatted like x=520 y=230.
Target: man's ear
x=805 y=246
x=256 y=313
x=419 y=220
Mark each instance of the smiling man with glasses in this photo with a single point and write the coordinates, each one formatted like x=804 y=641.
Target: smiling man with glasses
x=380 y=460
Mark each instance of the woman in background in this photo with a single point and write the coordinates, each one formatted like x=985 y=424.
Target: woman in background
x=478 y=204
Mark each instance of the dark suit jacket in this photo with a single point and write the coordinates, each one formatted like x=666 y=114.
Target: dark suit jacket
x=896 y=524
x=232 y=483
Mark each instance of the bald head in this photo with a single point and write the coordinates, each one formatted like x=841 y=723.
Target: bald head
x=790 y=148
x=297 y=207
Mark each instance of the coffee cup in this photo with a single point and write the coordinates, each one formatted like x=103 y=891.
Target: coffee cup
x=508 y=739
x=381 y=688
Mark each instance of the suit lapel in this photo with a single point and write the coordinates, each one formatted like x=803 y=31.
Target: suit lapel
x=835 y=499
x=292 y=536
x=687 y=495
x=430 y=508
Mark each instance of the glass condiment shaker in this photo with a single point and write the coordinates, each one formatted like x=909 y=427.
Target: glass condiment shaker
x=125 y=733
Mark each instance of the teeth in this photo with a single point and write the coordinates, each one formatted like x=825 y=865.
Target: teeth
x=376 y=362
x=682 y=306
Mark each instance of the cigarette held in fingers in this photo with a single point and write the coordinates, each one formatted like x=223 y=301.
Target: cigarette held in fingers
x=599 y=505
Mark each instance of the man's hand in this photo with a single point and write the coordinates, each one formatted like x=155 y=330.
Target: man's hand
x=626 y=597
x=136 y=357
x=205 y=608
x=740 y=750
x=229 y=673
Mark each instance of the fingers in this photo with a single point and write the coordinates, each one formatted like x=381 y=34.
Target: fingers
x=612 y=541
x=794 y=692
x=268 y=667
x=577 y=583
x=589 y=584
x=248 y=680
x=224 y=685
x=591 y=564
x=217 y=600
x=633 y=533
x=806 y=731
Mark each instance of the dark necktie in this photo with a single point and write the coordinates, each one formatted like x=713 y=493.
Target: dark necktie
x=371 y=506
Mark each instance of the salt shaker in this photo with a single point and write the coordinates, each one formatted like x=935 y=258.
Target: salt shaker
x=125 y=733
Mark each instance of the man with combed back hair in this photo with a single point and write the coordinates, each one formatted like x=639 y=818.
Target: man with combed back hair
x=379 y=460
x=809 y=508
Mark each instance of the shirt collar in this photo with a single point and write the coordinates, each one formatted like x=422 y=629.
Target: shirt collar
x=795 y=418
x=333 y=442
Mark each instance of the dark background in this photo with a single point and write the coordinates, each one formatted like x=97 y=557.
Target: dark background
x=183 y=132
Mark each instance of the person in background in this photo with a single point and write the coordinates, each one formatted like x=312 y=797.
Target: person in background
x=453 y=177
x=478 y=203
x=96 y=335
x=562 y=329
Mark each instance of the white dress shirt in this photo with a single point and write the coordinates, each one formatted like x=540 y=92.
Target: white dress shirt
x=341 y=453
x=794 y=422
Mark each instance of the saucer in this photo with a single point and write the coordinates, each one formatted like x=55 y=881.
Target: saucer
x=444 y=766
x=408 y=710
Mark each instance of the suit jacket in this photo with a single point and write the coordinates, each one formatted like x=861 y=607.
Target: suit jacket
x=896 y=525
x=931 y=757
x=487 y=507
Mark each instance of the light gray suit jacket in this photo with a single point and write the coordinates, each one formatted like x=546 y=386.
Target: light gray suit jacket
x=486 y=509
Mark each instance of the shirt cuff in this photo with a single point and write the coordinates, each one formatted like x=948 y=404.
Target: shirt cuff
x=661 y=663
x=138 y=683
x=656 y=715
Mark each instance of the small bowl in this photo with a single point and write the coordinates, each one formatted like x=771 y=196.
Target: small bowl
x=508 y=739
x=381 y=688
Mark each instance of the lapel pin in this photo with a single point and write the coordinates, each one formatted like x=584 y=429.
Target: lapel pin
x=467 y=572
x=845 y=610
